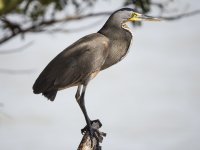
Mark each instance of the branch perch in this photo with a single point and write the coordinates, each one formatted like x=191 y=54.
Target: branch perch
x=86 y=143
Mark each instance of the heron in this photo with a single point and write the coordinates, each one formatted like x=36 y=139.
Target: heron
x=80 y=62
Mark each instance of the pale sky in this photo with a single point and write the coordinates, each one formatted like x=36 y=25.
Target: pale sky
x=149 y=101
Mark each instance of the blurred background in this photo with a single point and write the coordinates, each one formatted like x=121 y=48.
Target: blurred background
x=148 y=101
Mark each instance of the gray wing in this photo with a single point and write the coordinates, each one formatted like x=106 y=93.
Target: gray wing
x=73 y=65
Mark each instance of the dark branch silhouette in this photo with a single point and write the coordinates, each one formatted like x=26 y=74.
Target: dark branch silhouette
x=39 y=16
x=180 y=16
x=16 y=30
x=16 y=50
x=40 y=27
x=16 y=71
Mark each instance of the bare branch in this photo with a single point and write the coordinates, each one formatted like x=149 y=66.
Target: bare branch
x=16 y=50
x=63 y=30
x=180 y=16
x=43 y=24
x=11 y=72
x=6 y=38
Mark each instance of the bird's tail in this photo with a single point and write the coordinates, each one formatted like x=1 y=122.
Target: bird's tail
x=50 y=94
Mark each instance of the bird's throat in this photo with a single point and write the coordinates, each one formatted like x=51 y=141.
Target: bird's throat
x=125 y=26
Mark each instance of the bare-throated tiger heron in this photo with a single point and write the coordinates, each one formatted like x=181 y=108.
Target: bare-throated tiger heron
x=83 y=60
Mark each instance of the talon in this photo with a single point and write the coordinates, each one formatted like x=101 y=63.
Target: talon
x=83 y=131
x=93 y=133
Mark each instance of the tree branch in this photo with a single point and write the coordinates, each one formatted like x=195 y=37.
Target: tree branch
x=86 y=141
x=21 y=48
x=46 y=23
x=10 y=71
x=38 y=27
x=180 y=16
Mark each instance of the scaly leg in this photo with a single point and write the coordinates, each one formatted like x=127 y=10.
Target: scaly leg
x=81 y=101
x=77 y=96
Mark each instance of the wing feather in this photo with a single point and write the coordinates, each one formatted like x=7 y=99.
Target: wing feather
x=73 y=65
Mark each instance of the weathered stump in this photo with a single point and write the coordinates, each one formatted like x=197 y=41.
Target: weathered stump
x=86 y=143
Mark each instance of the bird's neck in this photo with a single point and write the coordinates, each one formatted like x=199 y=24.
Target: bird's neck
x=114 y=31
x=120 y=39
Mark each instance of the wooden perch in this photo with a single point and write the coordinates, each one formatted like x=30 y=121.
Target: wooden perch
x=86 y=143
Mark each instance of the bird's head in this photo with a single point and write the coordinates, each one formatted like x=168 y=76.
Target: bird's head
x=128 y=14
x=119 y=18
x=124 y=15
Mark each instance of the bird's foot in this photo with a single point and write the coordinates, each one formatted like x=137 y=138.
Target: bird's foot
x=93 y=132
x=87 y=128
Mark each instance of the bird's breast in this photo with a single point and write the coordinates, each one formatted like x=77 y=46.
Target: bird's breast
x=117 y=50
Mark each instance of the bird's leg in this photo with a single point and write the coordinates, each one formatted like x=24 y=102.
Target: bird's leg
x=77 y=96
x=88 y=128
x=82 y=106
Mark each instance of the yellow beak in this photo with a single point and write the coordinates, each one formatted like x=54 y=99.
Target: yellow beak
x=141 y=17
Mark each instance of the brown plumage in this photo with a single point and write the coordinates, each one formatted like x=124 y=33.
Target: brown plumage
x=73 y=66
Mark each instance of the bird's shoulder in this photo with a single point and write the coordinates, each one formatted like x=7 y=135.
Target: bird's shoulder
x=82 y=57
x=92 y=43
x=88 y=42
